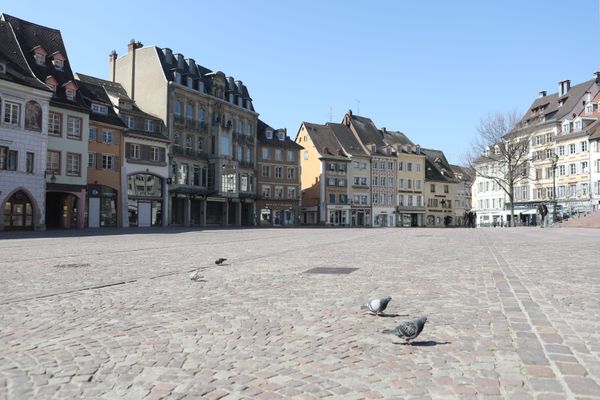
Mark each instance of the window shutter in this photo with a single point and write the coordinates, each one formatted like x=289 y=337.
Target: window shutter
x=116 y=163
x=99 y=135
x=161 y=152
x=145 y=153
x=98 y=160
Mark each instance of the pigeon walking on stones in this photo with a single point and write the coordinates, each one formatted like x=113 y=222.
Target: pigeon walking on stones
x=376 y=306
x=195 y=276
x=408 y=330
x=220 y=261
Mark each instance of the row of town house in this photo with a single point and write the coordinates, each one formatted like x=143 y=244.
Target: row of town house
x=166 y=141
x=563 y=134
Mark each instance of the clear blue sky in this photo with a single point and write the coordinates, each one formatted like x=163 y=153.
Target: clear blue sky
x=431 y=69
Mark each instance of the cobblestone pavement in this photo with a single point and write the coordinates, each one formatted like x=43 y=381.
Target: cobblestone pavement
x=513 y=313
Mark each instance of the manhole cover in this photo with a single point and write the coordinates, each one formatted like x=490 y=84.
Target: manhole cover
x=72 y=265
x=331 y=270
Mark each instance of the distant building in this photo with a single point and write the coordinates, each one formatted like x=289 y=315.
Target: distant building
x=441 y=186
x=278 y=180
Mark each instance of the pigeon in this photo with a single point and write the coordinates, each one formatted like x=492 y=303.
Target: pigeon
x=376 y=306
x=220 y=261
x=408 y=330
x=195 y=276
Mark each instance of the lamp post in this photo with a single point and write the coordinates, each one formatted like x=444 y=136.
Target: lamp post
x=554 y=162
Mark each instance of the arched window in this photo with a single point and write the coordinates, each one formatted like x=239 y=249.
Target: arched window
x=33 y=116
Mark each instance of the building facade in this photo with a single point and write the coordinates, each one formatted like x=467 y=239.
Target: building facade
x=441 y=188
x=24 y=105
x=68 y=122
x=278 y=180
x=212 y=126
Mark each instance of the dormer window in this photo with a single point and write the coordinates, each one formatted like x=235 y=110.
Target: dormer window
x=190 y=82
x=125 y=105
x=99 y=109
x=40 y=59
x=269 y=134
x=418 y=149
x=589 y=108
x=52 y=83
x=281 y=135
x=566 y=127
x=177 y=77
x=70 y=93
x=58 y=64
x=577 y=126
x=200 y=86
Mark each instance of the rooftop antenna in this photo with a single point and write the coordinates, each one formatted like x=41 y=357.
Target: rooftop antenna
x=358 y=103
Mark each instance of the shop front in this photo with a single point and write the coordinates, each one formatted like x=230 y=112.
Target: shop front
x=277 y=214
x=338 y=215
x=361 y=217
x=102 y=206
x=65 y=206
x=145 y=200
x=19 y=212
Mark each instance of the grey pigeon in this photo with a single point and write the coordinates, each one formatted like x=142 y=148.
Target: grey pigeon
x=408 y=330
x=195 y=276
x=376 y=306
x=220 y=261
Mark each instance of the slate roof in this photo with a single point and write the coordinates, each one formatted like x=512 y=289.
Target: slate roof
x=29 y=36
x=594 y=130
x=199 y=73
x=347 y=140
x=548 y=106
x=17 y=70
x=437 y=167
x=366 y=130
x=395 y=137
x=288 y=143
x=94 y=93
x=325 y=141
x=462 y=173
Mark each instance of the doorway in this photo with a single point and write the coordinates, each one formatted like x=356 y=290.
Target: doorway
x=18 y=212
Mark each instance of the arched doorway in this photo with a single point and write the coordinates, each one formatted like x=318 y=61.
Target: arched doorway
x=61 y=210
x=18 y=212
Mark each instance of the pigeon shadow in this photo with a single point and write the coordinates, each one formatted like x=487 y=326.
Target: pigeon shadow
x=423 y=343
x=385 y=315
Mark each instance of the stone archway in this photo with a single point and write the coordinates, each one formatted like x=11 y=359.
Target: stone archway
x=20 y=211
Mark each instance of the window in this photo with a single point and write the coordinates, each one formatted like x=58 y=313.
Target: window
x=156 y=154
x=278 y=155
x=446 y=189
x=73 y=164
x=53 y=162
x=572 y=148
x=12 y=112
x=40 y=59
x=91 y=160
x=400 y=165
x=584 y=146
x=183 y=174
x=356 y=180
x=584 y=167
x=278 y=172
x=248 y=154
x=375 y=181
x=74 y=128
x=589 y=108
x=149 y=125
x=269 y=134
x=561 y=150
x=225 y=145
x=58 y=64
x=572 y=169
x=409 y=166
x=29 y=162
x=306 y=154
x=290 y=155
x=332 y=198
x=54 y=124
x=418 y=183
x=418 y=167
x=201 y=114
x=265 y=153
x=565 y=127
x=108 y=161
x=178 y=109
x=561 y=170
x=343 y=198
x=432 y=189
x=130 y=121
x=363 y=181
x=108 y=137
x=93 y=136
x=99 y=109
x=278 y=192
x=291 y=173
x=266 y=170
x=189 y=115
x=134 y=151
x=8 y=159
x=70 y=94
x=577 y=125
x=266 y=191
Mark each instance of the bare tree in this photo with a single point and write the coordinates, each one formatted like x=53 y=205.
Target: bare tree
x=500 y=153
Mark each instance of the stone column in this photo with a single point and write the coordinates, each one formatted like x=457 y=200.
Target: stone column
x=226 y=221
x=203 y=212
x=187 y=211
x=238 y=214
x=81 y=209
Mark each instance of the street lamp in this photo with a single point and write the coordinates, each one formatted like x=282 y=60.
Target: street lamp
x=554 y=161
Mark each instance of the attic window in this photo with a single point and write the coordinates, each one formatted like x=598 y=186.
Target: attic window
x=125 y=105
x=418 y=149
x=190 y=82
x=40 y=59
x=99 y=109
x=269 y=134
x=70 y=94
x=281 y=135
x=58 y=64
x=589 y=108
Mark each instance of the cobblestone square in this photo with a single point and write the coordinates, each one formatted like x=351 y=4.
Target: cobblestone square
x=512 y=313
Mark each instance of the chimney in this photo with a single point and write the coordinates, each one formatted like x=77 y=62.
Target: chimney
x=168 y=55
x=350 y=112
x=597 y=76
x=112 y=59
x=384 y=130
x=131 y=48
x=543 y=93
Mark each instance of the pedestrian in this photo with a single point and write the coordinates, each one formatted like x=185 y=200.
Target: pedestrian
x=474 y=219
x=543 y=211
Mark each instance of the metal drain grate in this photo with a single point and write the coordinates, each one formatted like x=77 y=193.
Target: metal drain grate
x=330 y=270
x=72 y=265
